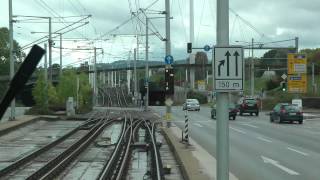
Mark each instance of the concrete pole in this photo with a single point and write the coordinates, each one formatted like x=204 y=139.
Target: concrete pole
x=112 y=79
x=313 y=84
x=13 y=102
x=192 y=55
x=50 y=50
x=252 y=69
x=222 y=97
x=147 y=67
x=168 y=52
x=46 y=74
x=135 y=74
x=60 y=72
x=297 y=44
x=95 y=93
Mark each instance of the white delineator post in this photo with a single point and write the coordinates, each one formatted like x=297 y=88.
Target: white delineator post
x=222 y=97
x=186 y=127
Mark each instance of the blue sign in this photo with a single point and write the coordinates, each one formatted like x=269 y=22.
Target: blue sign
x=168 y=59
x=206 y=48
x=295 y=78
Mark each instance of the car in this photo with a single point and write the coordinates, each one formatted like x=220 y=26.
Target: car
x=286 y=112
x=233 y=110
x=249 y=105
x=191 y=104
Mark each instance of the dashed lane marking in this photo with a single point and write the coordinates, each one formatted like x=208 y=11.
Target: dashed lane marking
x=297 y=151
x=250 y=125
x=238 y=130
x=198 y=124
x=264 y=139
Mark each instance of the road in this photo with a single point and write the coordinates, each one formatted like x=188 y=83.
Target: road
x=260 y=149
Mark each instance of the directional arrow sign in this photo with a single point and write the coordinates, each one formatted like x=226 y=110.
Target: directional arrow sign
x=219 y=66
x=278 y=165
x=228 y=68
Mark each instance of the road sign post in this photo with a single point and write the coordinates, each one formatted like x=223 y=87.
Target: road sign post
x=297 y=70
x=222 y=146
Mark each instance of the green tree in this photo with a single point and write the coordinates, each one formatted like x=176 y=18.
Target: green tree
x=85 y=92
x=67 y=86
x=39 y=93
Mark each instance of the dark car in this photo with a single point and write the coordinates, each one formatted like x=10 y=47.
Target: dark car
x=232 y=112
x=286 y=112
x=249 y=105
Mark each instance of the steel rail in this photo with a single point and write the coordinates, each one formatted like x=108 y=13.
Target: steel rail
x=17 y=164
x=125 y=157
x=107 y=169
x=155 y=153
x=41 y=173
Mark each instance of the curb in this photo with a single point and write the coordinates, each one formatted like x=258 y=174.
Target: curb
x=13 y=125
x=190 y=168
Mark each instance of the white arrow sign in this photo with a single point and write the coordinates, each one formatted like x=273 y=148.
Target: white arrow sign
x=278 y=165
x=228 y=68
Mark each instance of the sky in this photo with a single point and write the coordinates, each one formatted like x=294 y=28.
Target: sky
x=263 y=20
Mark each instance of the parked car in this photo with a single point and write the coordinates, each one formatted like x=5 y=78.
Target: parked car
x=286 y=112
x=249 y=105
x=191 y=104
x=233 y=110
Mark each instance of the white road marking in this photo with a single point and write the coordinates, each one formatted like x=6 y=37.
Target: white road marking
x=250 y=125
x=238 y=130
x=278 y=165
x=157 y=115
x=297 y=151
x=264 y=139
x=198 y=124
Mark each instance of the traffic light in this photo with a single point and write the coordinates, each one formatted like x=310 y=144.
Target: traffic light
x=189 y=47
x=283 y=86
x=169 y=80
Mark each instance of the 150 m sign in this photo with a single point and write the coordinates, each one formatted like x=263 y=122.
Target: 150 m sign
x=228 y=68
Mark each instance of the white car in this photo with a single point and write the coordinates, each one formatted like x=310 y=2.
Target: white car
x=191 y=104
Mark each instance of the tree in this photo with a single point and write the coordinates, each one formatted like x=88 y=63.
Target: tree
x=41 y=96
x=67 y=86
x=201 y=59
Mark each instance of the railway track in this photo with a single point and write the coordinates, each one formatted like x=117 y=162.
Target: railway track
x=43 y=160
x=52 y=160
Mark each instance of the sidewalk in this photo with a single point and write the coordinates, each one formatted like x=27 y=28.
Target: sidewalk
x=197 y=163
x=8 y=126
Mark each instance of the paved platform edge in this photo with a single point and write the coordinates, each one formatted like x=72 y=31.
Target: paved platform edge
x=190 y=167
x=22 y=121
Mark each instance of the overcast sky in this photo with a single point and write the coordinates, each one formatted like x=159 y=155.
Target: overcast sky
x=263 y=20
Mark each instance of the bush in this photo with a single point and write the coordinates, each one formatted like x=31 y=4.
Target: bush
x=202 y=98
x=273 y=83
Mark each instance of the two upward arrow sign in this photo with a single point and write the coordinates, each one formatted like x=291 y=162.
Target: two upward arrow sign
x=236 y=54
x=228 y=54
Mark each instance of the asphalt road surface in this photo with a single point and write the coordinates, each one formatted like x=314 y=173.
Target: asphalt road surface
x=260 y=150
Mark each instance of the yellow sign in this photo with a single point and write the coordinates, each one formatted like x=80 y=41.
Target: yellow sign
x=297 y=83
x=297 y=63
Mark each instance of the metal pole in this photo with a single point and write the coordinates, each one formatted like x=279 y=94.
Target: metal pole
x=313 y=85
x=222 y=97
x=297 y=44
x=60 y=55
x=147 y=67
x=50 y=51
x=95 y=78
x=135 y=75
x=46 y=75
x=168 y=52
x=13 y=102
x=192 y=56
x=252 y=70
